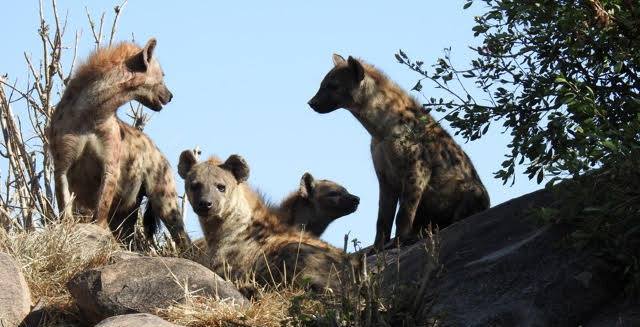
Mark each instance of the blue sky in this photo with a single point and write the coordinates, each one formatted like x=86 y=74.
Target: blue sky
x=242 y=72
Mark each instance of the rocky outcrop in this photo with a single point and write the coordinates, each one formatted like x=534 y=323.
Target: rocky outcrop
x=15 y=298
x=501 y=268
x=142 y=285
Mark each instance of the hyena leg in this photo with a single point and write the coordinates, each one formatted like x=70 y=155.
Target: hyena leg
x=108 y=186
x=388 y=201
x=163 y=200
x=413 y=187
x=63 y=196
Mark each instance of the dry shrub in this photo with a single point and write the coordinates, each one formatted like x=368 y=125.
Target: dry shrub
x=51 y=256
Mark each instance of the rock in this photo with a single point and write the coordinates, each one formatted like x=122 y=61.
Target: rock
x=135 y=320
x=501 y=268
x=621 y=313
x=94 y=237
x=141 y=285
x=15 y=298
x=122 y=255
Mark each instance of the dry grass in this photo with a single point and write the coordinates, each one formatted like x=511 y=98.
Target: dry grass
x=271 y=309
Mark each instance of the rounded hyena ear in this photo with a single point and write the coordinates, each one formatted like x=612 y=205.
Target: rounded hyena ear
x=147 y=51
x=356 y=67
x=237 y=166
x=307 y=185
x=188 y=159
x=139 y=62
x=338 y=60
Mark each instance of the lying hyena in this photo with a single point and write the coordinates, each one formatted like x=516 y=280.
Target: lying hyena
x=417 y=162
x=245 y=237
x=316 y=204
x=109 y=165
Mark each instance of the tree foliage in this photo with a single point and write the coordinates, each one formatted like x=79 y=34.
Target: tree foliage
x=562 y=76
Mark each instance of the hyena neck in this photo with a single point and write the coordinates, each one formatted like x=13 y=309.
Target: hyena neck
x=384 y=109
x=97 y=100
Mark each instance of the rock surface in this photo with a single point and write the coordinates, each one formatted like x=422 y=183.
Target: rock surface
x=135 y=320
x=141 y=285
x=500 y=268
x=94 y=237
x=15 y=298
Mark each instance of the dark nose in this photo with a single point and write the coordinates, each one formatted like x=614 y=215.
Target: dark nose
x=204 y=204
x=355 y=199
x=170 y=95
x=313 y=103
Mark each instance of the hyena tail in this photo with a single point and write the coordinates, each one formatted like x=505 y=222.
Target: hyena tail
x=150 y=222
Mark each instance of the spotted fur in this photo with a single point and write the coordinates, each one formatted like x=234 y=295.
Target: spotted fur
x=420 y=168
x=108 y=165
x=245 y=237
x=316 y=204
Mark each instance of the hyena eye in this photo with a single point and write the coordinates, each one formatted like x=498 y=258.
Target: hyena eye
x=333 y=193
x=221 y=188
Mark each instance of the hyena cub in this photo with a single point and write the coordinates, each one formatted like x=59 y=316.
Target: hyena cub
x=316 y=204
x=245 y=237
x=417 y=162
x=109 y=165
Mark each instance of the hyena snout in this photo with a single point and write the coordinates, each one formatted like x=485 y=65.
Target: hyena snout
x=165 y=95
x=320 y=105
x=352 y=202
x=204 y=205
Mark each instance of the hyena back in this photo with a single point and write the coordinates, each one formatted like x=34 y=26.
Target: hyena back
x=316 y=204
x=244 y=236
x=109 y=165
x=420 y=168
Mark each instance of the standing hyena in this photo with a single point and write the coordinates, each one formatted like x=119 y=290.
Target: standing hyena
x=417 y=162
x=316 y=204
x=245 y=237
x=106 y=163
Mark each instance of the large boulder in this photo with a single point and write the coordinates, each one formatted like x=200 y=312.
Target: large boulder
x=135 y=320
x=15 y=298
x=142 y=285
x=501 y=268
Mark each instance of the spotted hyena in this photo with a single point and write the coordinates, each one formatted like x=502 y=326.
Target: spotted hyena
x=316 y=204
x=108 y=165
x=418 y=164
x=244 y=236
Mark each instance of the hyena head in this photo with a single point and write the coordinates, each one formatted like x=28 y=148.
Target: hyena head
x=147 y=85
x=213 y=188
x=339 y=86
x=328 y=199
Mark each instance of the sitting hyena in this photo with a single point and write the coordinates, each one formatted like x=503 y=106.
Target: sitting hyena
x=245 y=237
x=417 y=162
x=316 y=204
x=106 y=163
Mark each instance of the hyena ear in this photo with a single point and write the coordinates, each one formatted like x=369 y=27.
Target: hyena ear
x=338 y=60
x=238 y=167
x=147 y=51
x=307 y=185
x=188 y=159
x=139 y=62
x=356 y=67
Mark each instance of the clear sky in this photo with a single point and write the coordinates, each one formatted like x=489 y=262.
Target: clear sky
x=242 y=72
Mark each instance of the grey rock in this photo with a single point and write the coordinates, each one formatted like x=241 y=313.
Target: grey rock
x=135 y=320
x=142 y=285
x=501 y=268
x=15 y=298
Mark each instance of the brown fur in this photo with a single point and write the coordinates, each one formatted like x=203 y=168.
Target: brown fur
x=109 y=165
x=244 y=236
x=420 y=168
x=316 y=204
